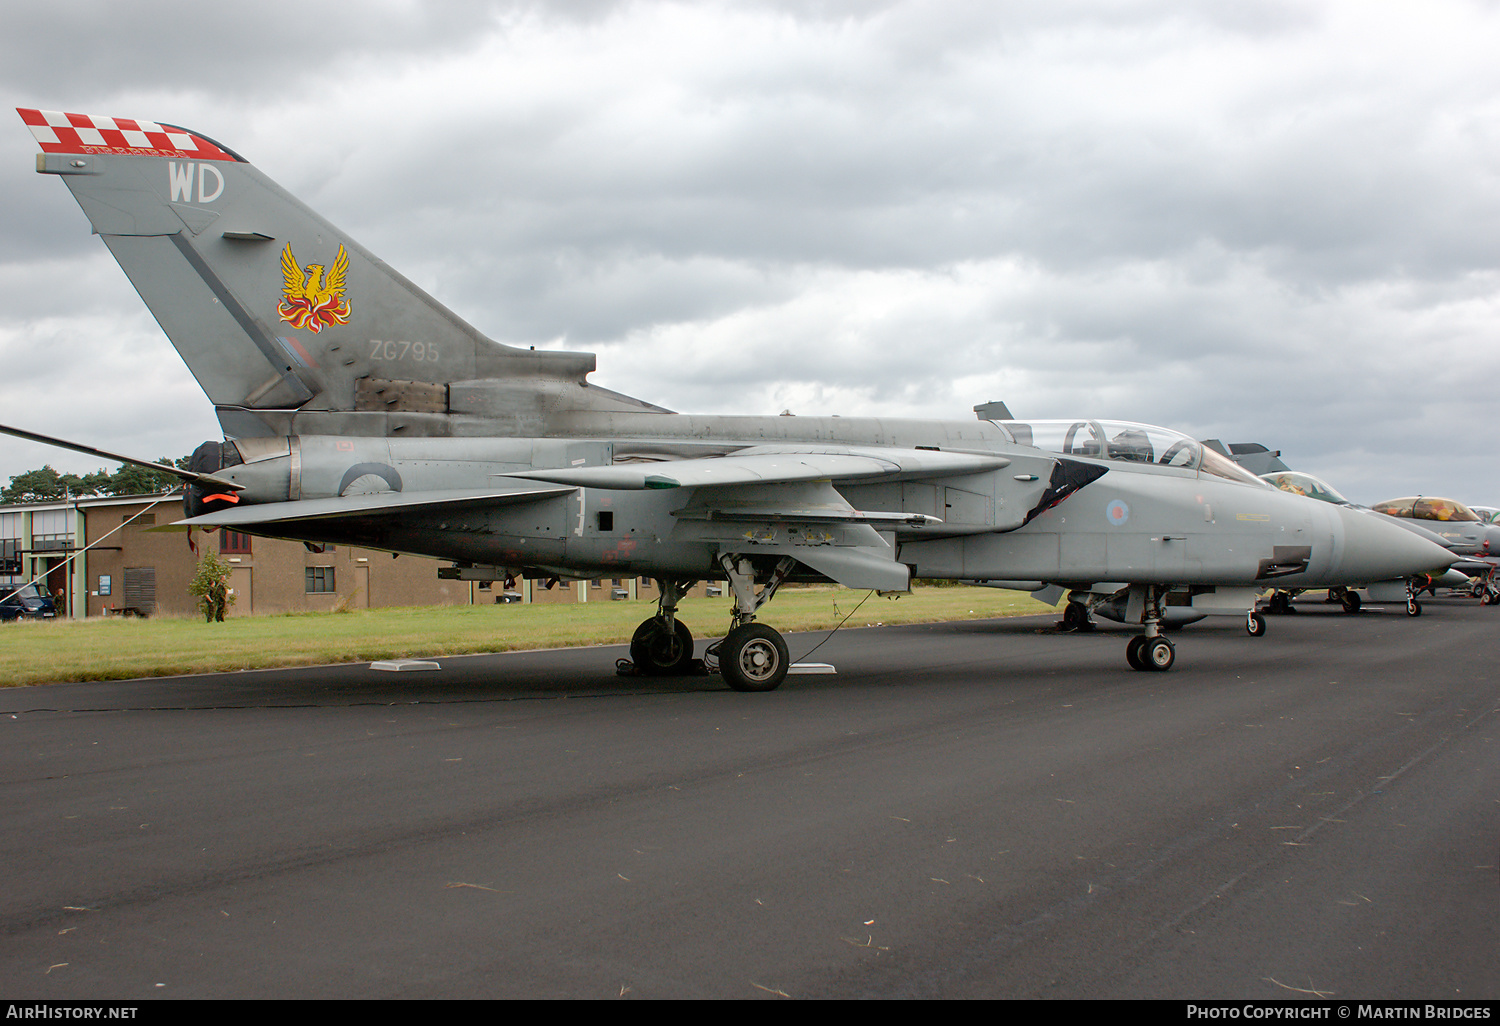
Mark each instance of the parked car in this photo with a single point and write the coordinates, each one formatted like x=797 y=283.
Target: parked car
x=25 y=601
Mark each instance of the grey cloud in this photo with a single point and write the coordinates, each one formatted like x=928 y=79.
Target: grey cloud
x=1221 y=217
x=81 y=47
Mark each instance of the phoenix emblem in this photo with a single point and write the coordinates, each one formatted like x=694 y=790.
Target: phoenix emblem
x=314 y=302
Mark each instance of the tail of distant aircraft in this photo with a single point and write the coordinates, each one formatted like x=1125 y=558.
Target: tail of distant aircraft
x=288 y=324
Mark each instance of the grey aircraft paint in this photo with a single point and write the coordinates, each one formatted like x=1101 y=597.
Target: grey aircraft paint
x=357 y=409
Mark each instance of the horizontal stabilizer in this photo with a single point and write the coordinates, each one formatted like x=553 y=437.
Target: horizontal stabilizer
x=365 y=505
x=773 y=464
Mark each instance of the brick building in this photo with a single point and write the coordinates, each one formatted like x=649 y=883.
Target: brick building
x=135 y=561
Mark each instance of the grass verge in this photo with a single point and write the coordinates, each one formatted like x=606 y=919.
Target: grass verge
x=41 y=653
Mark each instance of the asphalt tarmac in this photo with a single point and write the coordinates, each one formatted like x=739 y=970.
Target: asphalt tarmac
x=979 y=809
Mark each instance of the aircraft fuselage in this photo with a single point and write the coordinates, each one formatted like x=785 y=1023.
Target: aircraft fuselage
x=1167 y=525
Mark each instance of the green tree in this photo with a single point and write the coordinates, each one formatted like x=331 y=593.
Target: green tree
x=211 y=585
x=46 y=485
x=133 y=480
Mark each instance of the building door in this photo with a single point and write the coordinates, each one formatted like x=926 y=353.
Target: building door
x=140 y=590
x=240 y=581
x=59 y=584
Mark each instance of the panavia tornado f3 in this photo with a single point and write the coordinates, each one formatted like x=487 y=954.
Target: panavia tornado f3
x=357 y=409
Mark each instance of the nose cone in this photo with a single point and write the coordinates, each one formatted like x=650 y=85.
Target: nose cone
x=1491 y=540
x=1378 y=550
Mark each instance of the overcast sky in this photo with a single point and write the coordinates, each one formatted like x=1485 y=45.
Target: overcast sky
x=1258 y=221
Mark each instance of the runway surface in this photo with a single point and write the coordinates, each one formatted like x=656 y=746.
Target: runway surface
x=980 y=809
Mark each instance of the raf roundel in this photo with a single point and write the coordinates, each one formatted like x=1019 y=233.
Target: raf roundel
x=1117 y=512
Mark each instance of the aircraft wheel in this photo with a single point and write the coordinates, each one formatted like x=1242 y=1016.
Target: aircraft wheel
x=1414 y=608
x=659 y=653
x=1158 y=654
x=1133 y=652
x=1255 y=624
x=753 y=657
x=1351 y=601
x=1076 y=617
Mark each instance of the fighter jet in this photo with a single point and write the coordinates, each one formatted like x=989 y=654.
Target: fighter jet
x=1407 y=589
x=1459 y=529
x=357 y=409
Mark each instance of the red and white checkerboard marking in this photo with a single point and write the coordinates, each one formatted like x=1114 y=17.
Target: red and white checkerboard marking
x=58 y=132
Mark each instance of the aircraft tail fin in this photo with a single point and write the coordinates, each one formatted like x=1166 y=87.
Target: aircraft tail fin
x=287 y=323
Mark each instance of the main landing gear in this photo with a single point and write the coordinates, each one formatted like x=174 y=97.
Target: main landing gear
x=752 y=656
x=663 y=646
x=1280 y=604
x=1076 y=617
x=1150 y=653
x=1489 y=589
x=1149 y=650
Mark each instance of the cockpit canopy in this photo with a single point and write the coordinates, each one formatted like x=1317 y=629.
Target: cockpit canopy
x=1298 y=483
x=1125 y=442
x=1422 y=507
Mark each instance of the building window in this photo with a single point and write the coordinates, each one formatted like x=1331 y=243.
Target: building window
x=51 y=530
x=236 y=542
x=319 y=579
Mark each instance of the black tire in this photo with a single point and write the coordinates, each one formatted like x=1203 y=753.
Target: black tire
x=1133 y=652
x=1255 y=625
x=1075 y=617
x=1158 y=654
x=1414 y=608
x=753 y=657
x=1351 y=601
x=658 y=653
